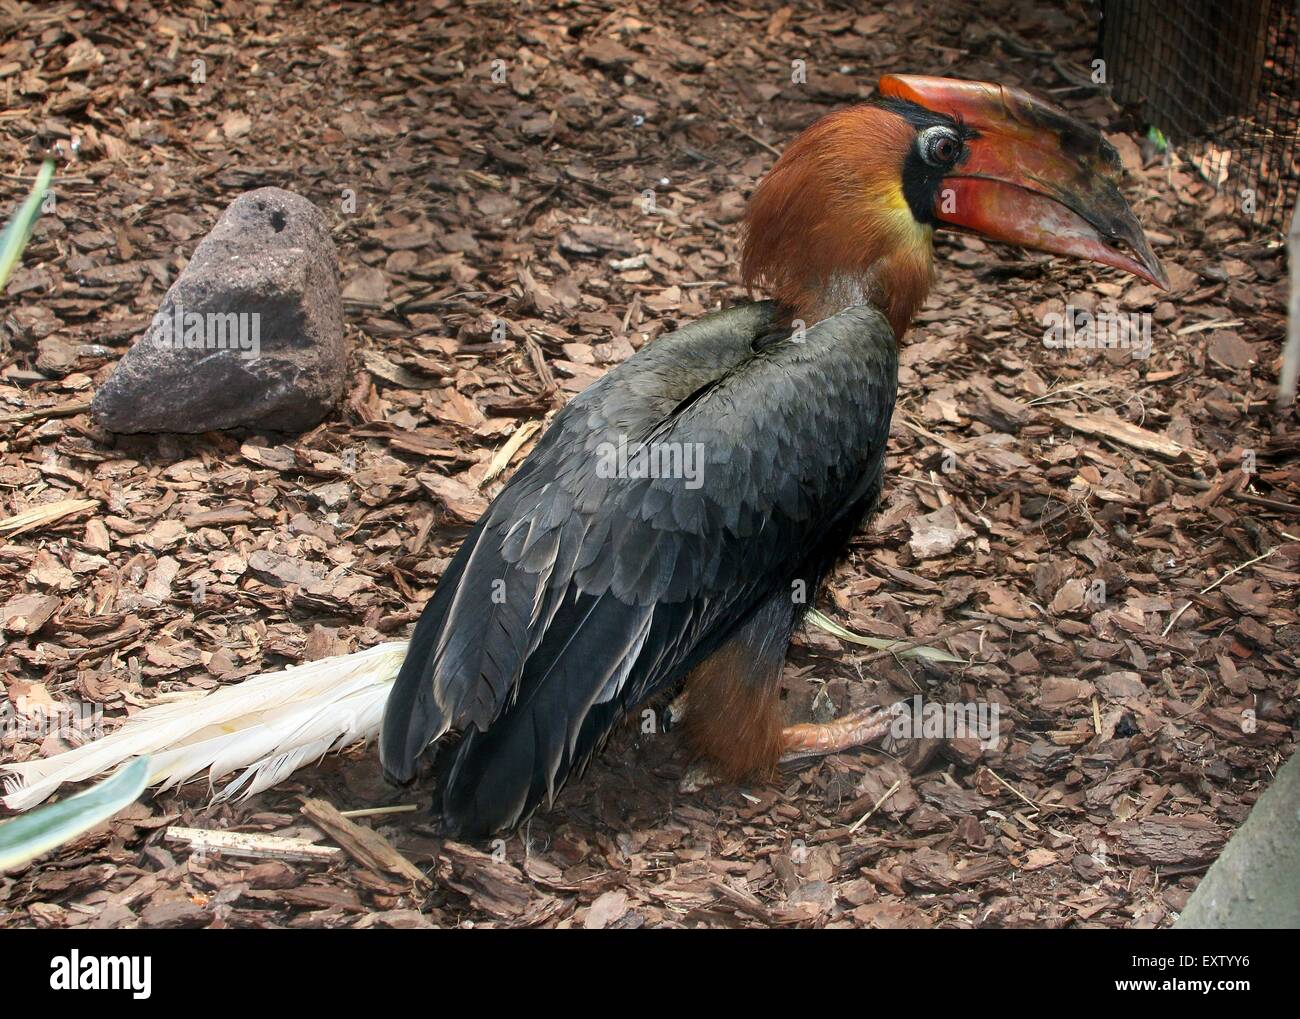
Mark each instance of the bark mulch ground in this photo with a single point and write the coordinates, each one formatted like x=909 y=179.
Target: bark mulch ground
x=1114 y=537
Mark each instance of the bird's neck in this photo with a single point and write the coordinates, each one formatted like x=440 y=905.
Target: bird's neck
x=829 y=227
x=819 y=274
x=895 y=285
x=841 y=291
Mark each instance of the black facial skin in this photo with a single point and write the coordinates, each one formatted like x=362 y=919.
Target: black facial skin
x=923 y=171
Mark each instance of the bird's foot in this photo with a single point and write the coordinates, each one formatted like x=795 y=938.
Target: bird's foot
x=809 y=740
x=851 y=730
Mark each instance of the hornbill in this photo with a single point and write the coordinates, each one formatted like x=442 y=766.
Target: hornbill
x=592 y=584
x=596 y=582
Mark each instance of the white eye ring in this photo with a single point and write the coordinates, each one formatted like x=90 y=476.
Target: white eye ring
x=929 y=141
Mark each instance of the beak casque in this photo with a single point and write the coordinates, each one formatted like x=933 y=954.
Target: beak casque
x=1032 y=175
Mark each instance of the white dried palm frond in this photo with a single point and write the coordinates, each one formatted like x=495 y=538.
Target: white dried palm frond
x=268 y=725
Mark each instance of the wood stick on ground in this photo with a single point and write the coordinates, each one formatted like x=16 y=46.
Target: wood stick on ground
x=39 y=516
x=1004 y=782
x=1238 y=569
x=1128 y=434
x=537 y=358
x=401 y=808
x=1196 y=485
x=744 y=903
x=365 y=845
x=875 y=806
x=60 y=410
x=253 y=845
x=943 y=441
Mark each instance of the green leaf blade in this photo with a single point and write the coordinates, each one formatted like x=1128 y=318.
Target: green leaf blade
x=38 y=831
x=18 y=230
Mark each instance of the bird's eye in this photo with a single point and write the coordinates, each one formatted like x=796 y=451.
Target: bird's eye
x=940 y=146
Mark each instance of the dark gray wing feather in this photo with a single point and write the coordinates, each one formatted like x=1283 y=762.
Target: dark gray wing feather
x=578 y=594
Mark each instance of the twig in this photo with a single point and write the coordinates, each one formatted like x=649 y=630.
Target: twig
x=943 y=441
x=1206 y=590
x=252 y=844
x=755 y=139
x=61 y=410
x=1197 y=485
x=1174 y=618
x=920 y=481
x=747 y=904
x=1238 y=569
x=401 y=808
x=537 y=357
x=1078 y=78
x=874 y=807
x=1200 y=327
x=1018 y=47
x=39 y=516
x=1258 y=500
x=1004 y=782
x=365 y=845
x=56 y=179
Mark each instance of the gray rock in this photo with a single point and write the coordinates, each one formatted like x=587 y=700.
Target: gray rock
x=250 y=334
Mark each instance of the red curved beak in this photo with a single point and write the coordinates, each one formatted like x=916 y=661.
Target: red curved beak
x=1032 y=176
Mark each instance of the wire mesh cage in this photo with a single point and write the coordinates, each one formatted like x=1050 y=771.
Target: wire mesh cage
x=1218 y=78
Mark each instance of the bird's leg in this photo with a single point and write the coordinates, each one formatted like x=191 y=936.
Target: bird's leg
x=851 y=730
x=807 y=740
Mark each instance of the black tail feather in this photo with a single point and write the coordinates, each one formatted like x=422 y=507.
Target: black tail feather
x=412 y=717
x=570 y=697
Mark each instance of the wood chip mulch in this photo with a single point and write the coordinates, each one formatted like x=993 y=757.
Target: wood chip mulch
x=1115 y=538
